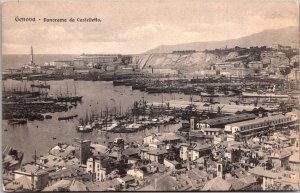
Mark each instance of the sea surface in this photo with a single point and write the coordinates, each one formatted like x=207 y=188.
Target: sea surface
x=14 y=61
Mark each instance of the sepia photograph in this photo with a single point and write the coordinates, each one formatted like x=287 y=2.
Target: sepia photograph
x=151 y=95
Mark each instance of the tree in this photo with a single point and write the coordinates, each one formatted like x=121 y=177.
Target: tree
x=269 y=165
x=289 y=54
x=283 y=107
x=285 y=71
x=126 y=60
x=259 y=180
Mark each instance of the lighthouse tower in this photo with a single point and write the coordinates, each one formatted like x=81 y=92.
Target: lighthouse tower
x=31 y=56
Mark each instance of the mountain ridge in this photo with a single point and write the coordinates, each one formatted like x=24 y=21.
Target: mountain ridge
x=284 y=36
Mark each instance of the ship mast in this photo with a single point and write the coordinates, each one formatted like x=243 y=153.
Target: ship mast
x=67 y=90
x=3 y=86
x=75 y=88
x=86 y=118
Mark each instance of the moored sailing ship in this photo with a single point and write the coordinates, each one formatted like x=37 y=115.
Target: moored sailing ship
x=68 y=98
x=85 y=126
x=40 y=85
x=67 y=117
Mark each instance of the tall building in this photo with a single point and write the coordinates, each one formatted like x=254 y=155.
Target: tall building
x=82 y=150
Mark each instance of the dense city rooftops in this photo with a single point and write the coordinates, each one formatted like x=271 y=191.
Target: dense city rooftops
x=261 y=171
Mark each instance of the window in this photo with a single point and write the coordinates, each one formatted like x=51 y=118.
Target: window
x=219 y=168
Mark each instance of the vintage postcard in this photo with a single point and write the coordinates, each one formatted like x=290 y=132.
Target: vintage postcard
x=129 y=95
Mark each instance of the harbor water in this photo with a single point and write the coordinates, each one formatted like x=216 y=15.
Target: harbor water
x=40 y=136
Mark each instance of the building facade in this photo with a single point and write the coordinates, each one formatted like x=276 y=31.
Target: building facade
x=95 y=169
x=98 y=58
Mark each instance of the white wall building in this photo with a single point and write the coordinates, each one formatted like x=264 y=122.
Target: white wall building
x=94 y=167
x=136 y=173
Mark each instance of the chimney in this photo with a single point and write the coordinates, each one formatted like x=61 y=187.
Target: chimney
x=155 y=184
x=220 y=170
x=32 y=181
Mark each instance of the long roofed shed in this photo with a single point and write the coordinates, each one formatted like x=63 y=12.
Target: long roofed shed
x=228 y=119
x=259 y=120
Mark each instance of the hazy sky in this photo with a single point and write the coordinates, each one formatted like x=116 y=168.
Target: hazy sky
x=137 y=26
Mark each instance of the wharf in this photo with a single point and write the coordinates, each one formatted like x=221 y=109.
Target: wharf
x=201 y=106
x=264 y=95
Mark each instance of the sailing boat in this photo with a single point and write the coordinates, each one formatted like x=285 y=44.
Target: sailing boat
x=40 y=85
x=85 y=126
x=68 y=98
x=67 y=117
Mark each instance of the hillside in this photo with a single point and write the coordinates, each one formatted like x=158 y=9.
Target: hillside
x=282 y=36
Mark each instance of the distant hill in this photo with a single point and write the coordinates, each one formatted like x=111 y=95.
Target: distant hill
x=282 y=36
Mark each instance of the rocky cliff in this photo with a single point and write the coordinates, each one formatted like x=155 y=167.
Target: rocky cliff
x=182 y=62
